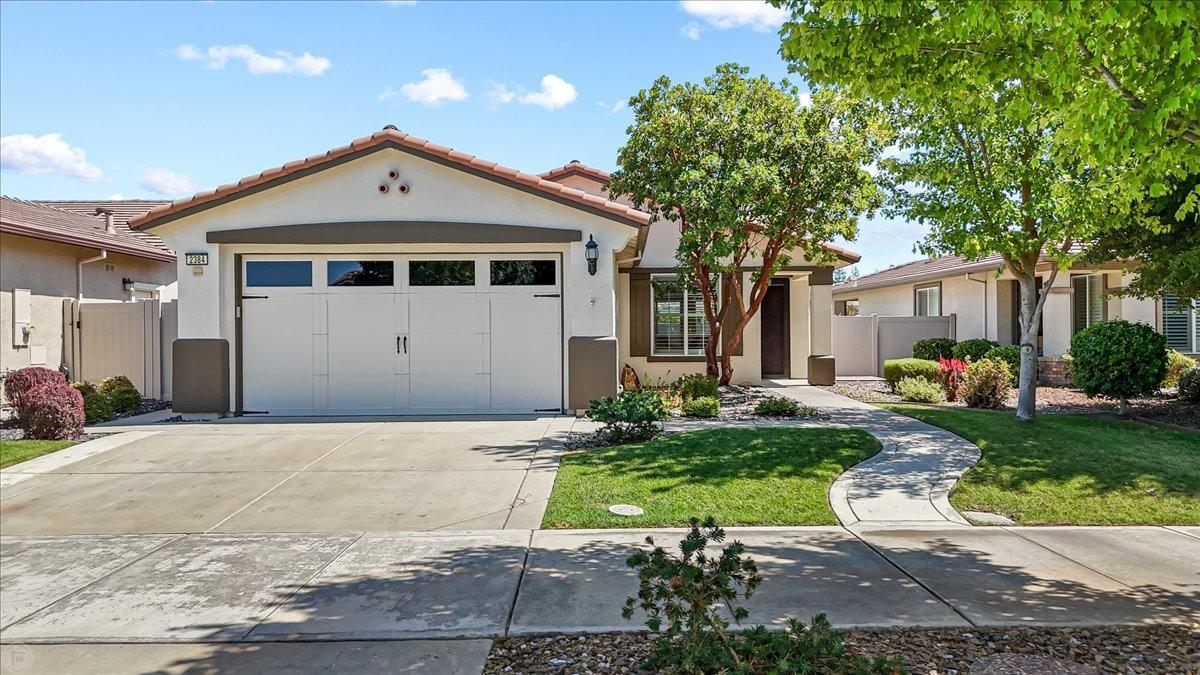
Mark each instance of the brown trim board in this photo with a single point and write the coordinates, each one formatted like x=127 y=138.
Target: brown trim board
x=395 y=232
x=237 y=331
x=917 y=287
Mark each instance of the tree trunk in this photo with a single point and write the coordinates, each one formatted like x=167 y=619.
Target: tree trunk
x=1030 y=319
x=726 y=368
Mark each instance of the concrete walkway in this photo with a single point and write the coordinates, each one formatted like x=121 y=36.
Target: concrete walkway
x=909 y=481
x=218 y=602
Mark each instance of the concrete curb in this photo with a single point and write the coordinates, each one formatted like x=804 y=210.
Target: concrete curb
x=57 y=460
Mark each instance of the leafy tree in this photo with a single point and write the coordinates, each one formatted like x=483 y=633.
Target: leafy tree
x=992 y=183
x=1122 y=78
x=752 y=177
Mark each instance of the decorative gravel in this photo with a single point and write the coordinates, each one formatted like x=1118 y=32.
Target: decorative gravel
x=1149 y=649
x=148 y=405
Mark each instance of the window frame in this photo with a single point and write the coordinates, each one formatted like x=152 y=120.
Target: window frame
x=1087 y=298
x=248 y=263
x=936 y=286
x=685 y=356
x=1193 y=324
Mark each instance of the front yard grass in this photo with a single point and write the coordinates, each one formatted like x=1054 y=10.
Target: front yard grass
x=775 y=476
x=15 y=452
x=1069 y=470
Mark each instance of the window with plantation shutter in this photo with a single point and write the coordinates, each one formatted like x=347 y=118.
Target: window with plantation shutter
x=1181 y=324
x=678 y=324
x=1087 y=300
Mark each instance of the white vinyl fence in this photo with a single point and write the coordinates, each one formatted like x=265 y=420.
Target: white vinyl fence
x=103 y=339
x=862 y=343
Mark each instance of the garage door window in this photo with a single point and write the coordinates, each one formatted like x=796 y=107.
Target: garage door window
x=344 y=273
x=441 y=273
x=279 y=273
x=522 y=272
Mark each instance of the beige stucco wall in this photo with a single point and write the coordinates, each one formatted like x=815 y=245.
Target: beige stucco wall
x=48 y=271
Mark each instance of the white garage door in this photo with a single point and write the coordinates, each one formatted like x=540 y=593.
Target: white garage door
x=398 y=334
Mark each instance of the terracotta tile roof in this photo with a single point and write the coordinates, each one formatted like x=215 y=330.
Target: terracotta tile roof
x=926 y=269
x=40 y=221
x=123 y=211
x=575 y=167
x=390 y=135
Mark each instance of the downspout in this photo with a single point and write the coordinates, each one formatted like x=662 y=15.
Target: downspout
x=79 y=271
x=985 y=305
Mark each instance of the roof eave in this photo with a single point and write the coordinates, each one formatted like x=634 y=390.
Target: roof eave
x=64 y=237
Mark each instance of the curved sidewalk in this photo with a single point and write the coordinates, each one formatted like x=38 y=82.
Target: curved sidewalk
x=909 y=481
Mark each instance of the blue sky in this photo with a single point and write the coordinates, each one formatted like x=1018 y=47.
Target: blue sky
x=164 y=99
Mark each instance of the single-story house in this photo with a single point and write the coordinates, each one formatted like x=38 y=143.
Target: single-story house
x=393 y=275
x=985 y=302
x=51 y=252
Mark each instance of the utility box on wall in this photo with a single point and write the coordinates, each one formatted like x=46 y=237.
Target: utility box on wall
x=22 y=317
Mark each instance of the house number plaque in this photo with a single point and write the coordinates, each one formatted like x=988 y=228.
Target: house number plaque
x=196 y=258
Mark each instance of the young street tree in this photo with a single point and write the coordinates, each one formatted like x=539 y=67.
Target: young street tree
x=752 y=176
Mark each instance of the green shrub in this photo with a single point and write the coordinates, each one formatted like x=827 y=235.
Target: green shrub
x=685 y=596
x=974 y=349
x=932 y=349
x=920 y=390
x=1010 y=354
x=985 y=384
x=1177 y=363
x=777 y=406
x=1119 y=360
x=895 y=370
x=705 y=406
x=96 y=406
x=1189 y=385
x=670 y=398
x=630 y=416
x=121 y=394
x=696 y=385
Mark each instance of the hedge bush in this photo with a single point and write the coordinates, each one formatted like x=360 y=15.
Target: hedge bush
x=697 y=385
x=985 y=384
x=18 y=382
x=96 y=406
x=704 y=406
x=932 y=349
x=895 y=370
x=1119 y=360
x=920 y=390
x=1010 y=354
x=1177 y=363
x=630 y=416
x=1189 y=385
x=974 y=349
x=777 y=406
x=121 y=393
x=52 y=411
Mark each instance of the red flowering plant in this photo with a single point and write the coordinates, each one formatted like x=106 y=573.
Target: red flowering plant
x=950 y=371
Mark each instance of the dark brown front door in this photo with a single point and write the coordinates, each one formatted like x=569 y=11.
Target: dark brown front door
x=776 y=352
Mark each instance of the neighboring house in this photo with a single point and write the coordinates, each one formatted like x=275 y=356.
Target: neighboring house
x=393 y=275
x=985 y=304
x=51 y=252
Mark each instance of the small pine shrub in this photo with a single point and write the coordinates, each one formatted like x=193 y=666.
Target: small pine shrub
x=18 y=382
x=1189 y=385
x=1119 y=360
x=121 y=394
x=96 y=406
x=920 y=390
x=704 y=406
x=631 y=416
x=985 y=384
x=895 y=370
x=973 y=350
x=697 y=385
x=1177 y=363
x=52 y=411
x=1010 y=354
x=932 y=349
x=777 y=406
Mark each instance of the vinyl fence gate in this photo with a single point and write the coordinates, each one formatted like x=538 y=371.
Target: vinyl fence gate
x=104 y=339
x=862 y=343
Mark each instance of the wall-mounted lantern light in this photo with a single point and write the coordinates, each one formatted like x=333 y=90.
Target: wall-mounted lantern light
x=127 y=284
x=591 y=251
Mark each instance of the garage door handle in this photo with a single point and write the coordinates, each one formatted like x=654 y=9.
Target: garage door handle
x=255 y=297
x=545 y=295
x=398 y=343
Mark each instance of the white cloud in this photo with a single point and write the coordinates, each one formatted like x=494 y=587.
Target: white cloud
x=438 y=86
x=498 y=94
x=166 y=182
x=115 y=196
x=619 y=106
x=691 y=31
x=555 y=93
x=724 y=14
x=387 y=94
x=49 y=153
x=400 y=3
x=278 y=62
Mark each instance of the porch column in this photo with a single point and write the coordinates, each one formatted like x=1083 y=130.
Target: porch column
x=820 y=313
x=1056 y=317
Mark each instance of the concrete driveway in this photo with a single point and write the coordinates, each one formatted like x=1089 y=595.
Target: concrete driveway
x=322 y=476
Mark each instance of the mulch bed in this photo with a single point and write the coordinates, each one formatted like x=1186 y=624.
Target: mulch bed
x=1142 y=649
x=1163 y=407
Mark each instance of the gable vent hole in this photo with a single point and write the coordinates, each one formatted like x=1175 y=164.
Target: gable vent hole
x=393 y=174
x=383 y=188
x=403 y=188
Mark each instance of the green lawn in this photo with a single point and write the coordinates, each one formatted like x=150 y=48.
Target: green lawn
x=738 y=476
x=15 y=452
x=1067 y=470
